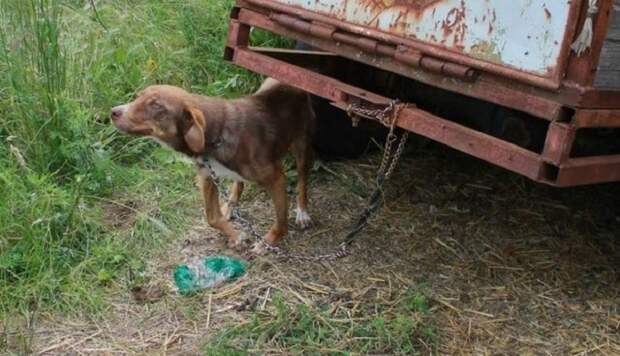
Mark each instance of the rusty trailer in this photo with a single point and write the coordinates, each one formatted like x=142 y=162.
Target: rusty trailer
x=556 y=62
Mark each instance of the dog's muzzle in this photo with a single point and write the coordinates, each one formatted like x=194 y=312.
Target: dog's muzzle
x=118 y=112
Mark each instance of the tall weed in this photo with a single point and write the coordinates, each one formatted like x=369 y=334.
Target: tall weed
x=62 y=66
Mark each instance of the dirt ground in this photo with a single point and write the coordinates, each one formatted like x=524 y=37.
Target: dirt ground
x=511 y=267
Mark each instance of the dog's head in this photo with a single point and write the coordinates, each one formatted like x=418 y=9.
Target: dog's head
x=165 y=113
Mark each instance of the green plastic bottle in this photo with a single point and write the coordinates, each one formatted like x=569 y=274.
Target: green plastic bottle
x=207 y=272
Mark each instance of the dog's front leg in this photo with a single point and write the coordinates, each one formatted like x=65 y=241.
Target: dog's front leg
x=233 y=199
x=214 y=215
x=277 y=189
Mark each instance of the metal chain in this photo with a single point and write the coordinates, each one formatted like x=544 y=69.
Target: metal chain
x=399 y=152
x=237 y=216
x=387 y=116
x=391 y=136
x=384 y=115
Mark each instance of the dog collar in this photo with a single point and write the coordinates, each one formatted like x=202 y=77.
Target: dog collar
x=201 y=159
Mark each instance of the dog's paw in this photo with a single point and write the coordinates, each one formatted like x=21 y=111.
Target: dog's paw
x=237 y=243
x=259 y=249
x=302 y=219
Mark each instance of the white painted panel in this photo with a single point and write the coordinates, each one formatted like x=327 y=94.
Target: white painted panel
x=522 y=34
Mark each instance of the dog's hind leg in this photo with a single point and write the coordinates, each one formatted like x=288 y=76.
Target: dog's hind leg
x=302 y=151
x=214 y=215
x=233 y=199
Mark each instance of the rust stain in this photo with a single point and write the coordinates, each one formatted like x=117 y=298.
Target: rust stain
x=492 y=18
x=397 y=19
x=405 y=8
x=454 y=25
x=376 y=7
x=380 y=5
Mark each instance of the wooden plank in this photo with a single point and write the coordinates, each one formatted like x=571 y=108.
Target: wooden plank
x=609 y=56
x=609 y=80
x=613 y=32
x=608 y=72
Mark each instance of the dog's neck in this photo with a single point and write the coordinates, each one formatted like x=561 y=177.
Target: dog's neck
x=211 y=149
x=222 y=117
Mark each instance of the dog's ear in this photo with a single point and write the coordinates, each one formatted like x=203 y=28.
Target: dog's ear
x=195 y=136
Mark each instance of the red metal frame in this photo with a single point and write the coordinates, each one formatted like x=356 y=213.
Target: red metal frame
x=553 y=166
x=483 y=146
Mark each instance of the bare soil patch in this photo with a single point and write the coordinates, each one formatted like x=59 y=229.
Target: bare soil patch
x=509 y=266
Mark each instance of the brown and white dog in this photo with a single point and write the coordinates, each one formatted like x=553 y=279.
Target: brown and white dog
x=243 y=139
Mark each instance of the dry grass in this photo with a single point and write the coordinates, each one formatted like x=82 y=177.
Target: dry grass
x=510 y=267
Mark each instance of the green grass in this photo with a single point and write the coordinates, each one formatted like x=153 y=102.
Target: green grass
x=402 y=329
x=82 y=207
x=62 y=165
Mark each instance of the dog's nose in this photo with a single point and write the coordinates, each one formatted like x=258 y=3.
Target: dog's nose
x=117 y=112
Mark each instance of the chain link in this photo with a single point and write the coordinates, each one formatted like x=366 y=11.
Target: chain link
x=238 y=216
x=387 y=116
x=384 y=115
x=399 y=152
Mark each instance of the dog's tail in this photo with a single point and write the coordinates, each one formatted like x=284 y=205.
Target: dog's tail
x=268 y=84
